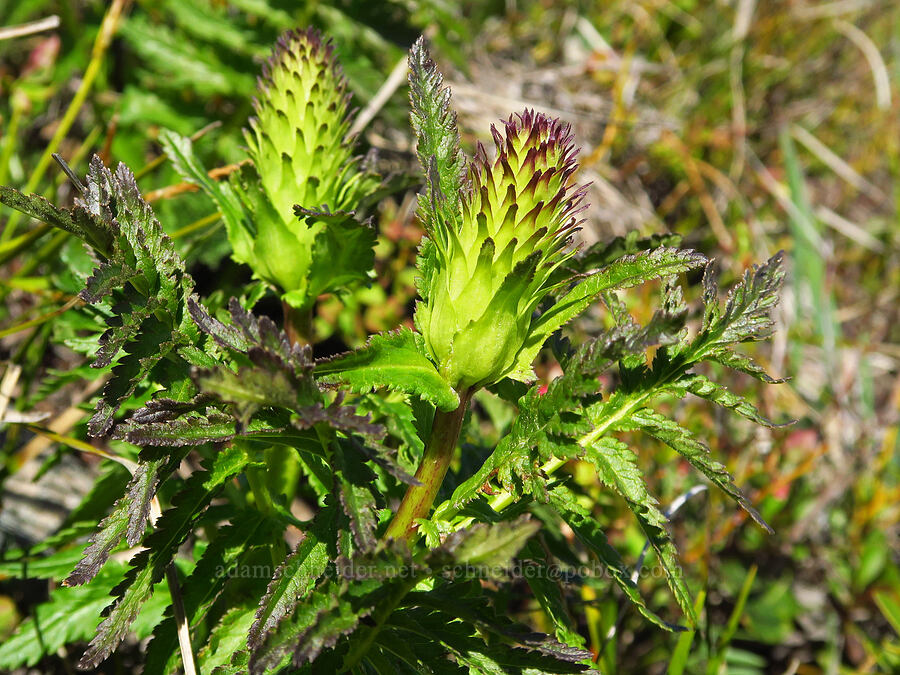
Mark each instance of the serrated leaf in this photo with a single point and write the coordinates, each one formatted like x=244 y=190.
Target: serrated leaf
x=225 y=640
x=282 y=641
x=232 y=544
x=603 y=253
x=623 y=273
x=239 y=664
x=105 y=279
x=592 y=536
x=384 y=457
x=183 y=64
x=231 y=337
x=87 y=226
x=191 y=429
x=617 y=468
x=490 y=549
x=512 y=645
x=343 y=253
x=746 y=315
x=742 y=363
x=148 y=567
x=353 y=481
x=702 y=386
x=294 y=579
x=424 y=631
x=150 y=346
x=249 y=389
x=682 y=441
x=69 y=616
x=328 y=627
x=128 y=519
x=549 y=423
x=390 y=360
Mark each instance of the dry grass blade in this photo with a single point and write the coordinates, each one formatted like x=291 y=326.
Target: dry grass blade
x=835 y=163
x=873 y=56
x=49 y=23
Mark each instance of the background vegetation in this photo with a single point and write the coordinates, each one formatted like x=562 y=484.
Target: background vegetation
x=745 y=127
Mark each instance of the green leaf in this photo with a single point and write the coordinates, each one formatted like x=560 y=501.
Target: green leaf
x=317 y=624
x=149 y=566
x=343 y=253
x=889 y=604
x=55 y=566
x=232 y=544
x=703 y=387
x=139 y=264
x=623 y=273
x=70 y=615
x=225 y=640
x=490 y=549
x=682 y=441
x=280 y=375
x=238 y=219
x=430 y=638
x=511 y=645
x=390 y=360
x=746 y=316
x=183 y=65
x=604 y=253
x=548 y=424
x=354 y=490
x=128 y=519
x=591 y=535
x=164 y=422
x=294 y=580
x=617 y=468
x=79 y=221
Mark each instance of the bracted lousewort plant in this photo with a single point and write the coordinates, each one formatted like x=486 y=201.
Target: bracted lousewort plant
x=487 y=269
x=387 y=576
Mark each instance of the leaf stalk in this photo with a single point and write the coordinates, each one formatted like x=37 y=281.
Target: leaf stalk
x=298 y=324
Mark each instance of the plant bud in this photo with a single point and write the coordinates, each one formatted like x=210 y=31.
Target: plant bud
x=493 y=272
x=303 y=156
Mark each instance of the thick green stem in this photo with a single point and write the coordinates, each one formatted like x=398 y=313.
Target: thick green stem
x=418 y=498
x=298 y=324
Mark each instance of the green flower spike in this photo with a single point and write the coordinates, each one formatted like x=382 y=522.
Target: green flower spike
x=490 y=272
x=309 y=182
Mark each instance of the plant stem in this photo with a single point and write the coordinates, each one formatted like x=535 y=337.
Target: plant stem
x=418 y=498
x=505 y=498
x=361 y=646
x=256 y=477
x=298 y=324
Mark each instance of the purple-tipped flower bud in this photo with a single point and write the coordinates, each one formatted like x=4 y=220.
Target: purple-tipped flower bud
x=493 y=272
